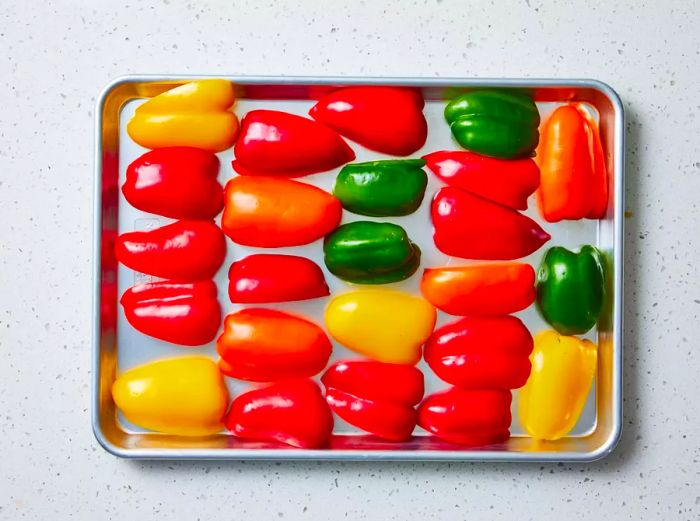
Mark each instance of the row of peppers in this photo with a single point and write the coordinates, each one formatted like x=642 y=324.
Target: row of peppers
x=476 y=217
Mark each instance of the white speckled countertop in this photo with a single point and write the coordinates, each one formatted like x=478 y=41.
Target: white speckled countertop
x=54 y=59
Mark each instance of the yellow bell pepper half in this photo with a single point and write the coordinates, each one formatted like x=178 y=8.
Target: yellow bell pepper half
x=386 y=325
x=553 y=398
x=195 y=114
x=184 y=396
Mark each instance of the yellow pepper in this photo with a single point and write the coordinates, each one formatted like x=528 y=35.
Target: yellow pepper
x=562 y=373
x=184 y=396
x=385 y=325
x=195 y=114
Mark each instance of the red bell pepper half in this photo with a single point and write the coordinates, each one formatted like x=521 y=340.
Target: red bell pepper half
x=385 y=119
x=263 y=345
x=481 y=352
x=264 y=278
x=177 y=182
x=184 y=251
x=273 y=143
x=508 y=182
x=472 y=227
x=467 y=416
x=376 y=397
x=292 y=412
x=182 y=313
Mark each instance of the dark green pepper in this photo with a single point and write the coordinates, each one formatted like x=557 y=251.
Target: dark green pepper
x=382 y=188
x=495 y=123
x=570 y=289
x=367 y=252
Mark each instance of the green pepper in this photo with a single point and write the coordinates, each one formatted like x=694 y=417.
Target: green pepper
x=570 y=289
x=367 y=252
x=495 y=123
x=382 y=188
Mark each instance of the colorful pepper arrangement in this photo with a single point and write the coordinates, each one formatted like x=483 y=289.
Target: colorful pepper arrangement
x=483 y=354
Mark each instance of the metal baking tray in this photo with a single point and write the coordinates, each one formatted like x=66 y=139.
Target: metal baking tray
x=116 y=346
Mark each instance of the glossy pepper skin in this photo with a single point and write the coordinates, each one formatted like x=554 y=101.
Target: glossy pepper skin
x=467 y=416
x=571 y=289
x=480 y=289
x=495 y=123
x=382 y=188
x=291 y=412
x=505 y=181
x=185 y=396
x=271 y=213
x=176 y=182
x=481 y=352
x=263 y=345
x=365 y=252
x=385 y=325
x=574 y=179
x=471 y=227
x=181 y=313
x=184 y=251
x=196 y=114
x=265 y=278
x=563 y=368
x=385 y=119
x=274 y=143
x=376 y=397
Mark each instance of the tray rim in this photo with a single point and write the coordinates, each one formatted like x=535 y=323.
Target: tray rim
x=617 y=333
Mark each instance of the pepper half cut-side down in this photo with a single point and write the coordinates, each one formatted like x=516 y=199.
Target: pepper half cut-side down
x=469 y=226
x=293 y=412
x=481 y=352
x=551 y=402
x=196 y=114
x=262 y=278
x=185 y=313
x=385 y=325
x=571 y=289
x=367 y=252
x=385 y=119
x=271 y=213
x=574 y=179
x=264 y=345
x=274 y=143
x=176 y=182
x=480 y=289
x=185 y=251
x=390 y=187
x=495 y=123
x=376 y=397
x=184 y=396
x=506 y=181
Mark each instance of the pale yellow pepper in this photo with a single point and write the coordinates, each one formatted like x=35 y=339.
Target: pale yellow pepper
x=553 y=398
x=385 y=325
x=184 y=396
x=195 y=114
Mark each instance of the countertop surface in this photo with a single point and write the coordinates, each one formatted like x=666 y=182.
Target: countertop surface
x=55 y=57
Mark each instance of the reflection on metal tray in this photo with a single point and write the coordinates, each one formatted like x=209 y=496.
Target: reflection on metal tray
x=117 y=345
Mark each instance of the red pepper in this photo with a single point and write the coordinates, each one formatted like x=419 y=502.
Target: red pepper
x=506 y=181
x=177 y=182
x=385 y=119
x=263 y=345
x=275 y=143
x=292 y=412
x=376 y=397
x=184 y=250
x=475 y=228
x=481 y=352
x=264 y=278
x=467 y=416
x=182 y=313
